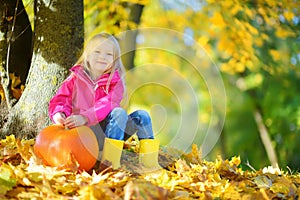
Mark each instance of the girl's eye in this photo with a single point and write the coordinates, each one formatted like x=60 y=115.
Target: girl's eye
x=109 y=54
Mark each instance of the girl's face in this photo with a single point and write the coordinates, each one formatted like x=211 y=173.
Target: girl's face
x=101 y=58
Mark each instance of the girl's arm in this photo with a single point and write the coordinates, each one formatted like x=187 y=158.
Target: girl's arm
x=61 y=102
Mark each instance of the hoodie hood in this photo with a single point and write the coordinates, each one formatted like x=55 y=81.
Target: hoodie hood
x=81 y=73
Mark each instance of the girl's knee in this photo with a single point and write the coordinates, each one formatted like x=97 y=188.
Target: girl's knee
x=143 y=116
x=119 y=113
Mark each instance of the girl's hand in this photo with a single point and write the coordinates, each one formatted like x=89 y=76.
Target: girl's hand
x=59 y=118
x=75 y=120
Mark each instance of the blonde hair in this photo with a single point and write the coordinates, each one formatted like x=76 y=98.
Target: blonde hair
x=117 y=62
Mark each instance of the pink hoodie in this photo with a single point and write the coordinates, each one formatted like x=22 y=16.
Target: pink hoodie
x=79 y=94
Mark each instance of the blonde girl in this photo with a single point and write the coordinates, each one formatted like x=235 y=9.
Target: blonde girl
x=91 y=96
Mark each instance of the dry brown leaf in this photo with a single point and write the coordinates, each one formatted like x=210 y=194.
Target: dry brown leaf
x=22 y=177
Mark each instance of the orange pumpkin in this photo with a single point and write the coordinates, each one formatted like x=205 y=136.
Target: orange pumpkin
x=56 y=146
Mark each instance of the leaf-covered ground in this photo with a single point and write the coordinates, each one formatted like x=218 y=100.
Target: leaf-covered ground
x=22 y=176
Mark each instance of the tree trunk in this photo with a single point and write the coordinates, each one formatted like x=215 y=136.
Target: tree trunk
x=128 y=43
x=58 y=40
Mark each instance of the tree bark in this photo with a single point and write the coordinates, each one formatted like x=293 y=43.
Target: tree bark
x=58 y=40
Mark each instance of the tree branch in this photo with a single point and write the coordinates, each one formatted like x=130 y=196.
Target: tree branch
x=264 y=135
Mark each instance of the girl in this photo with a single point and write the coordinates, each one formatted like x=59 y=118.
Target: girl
x=91 y=96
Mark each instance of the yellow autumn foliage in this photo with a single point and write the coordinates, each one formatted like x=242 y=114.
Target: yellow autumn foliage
x=275 y=54
x=284 y=33
x=217 y=20
x=22 y=176
x=16 y=88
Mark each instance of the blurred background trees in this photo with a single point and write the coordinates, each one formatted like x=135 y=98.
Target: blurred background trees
x=254 y=47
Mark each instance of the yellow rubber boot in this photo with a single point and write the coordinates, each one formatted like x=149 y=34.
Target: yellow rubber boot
x=112 y=151
x=148 y=156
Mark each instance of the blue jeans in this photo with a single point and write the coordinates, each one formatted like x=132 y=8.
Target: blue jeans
x=120 y=126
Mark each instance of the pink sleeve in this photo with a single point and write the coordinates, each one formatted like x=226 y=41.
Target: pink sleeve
x=62 y=100
x=105 y=105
